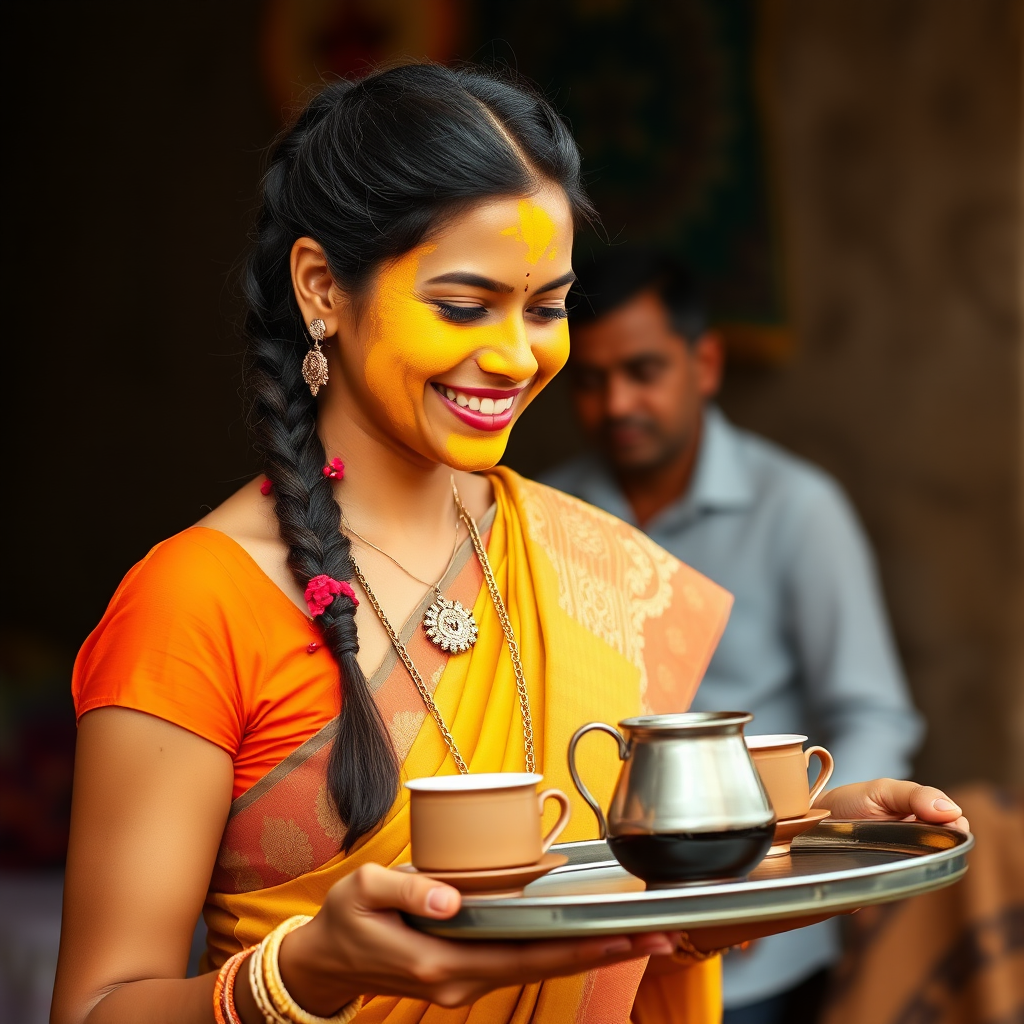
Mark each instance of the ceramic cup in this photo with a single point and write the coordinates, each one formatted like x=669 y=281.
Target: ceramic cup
x=782 y=763
x=481 y=822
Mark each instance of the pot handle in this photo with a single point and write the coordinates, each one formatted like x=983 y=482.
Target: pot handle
x=602 y=822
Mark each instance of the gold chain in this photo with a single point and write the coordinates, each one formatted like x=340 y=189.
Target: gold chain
x=436 y=587
x=413 y=671
x=510 y=640
x=506 y=627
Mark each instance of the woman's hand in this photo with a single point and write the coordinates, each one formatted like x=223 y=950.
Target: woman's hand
x=358 y=944
x=894 y=800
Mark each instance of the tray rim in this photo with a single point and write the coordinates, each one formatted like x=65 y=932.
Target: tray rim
x=796 y=896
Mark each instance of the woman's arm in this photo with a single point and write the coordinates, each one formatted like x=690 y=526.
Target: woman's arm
x=150 y=804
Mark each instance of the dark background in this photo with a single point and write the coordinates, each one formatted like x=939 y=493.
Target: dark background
x=867 y=155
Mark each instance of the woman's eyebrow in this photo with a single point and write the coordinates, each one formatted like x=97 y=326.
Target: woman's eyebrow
x=557 y=283
x=474 y=281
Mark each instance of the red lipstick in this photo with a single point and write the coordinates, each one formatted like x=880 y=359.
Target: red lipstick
x=476 y=419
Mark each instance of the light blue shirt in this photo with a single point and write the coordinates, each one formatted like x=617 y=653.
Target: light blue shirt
x=807 y=648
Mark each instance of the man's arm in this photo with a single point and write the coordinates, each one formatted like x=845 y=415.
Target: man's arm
x=854 y=685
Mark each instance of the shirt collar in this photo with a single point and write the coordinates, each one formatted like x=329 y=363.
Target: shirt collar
x=720 y=480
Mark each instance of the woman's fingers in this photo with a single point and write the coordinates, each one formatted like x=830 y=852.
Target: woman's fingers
x=379 y=888
x=926 y=803
x=372 y=943
x=471 y=966
x=894 y=798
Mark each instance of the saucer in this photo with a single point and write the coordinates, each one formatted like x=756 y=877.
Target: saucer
x=497 y=881
x=789 y=828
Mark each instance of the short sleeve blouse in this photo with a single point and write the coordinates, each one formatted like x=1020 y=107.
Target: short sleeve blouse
x=197 y=634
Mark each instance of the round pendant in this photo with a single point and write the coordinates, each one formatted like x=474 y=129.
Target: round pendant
x=450 y=626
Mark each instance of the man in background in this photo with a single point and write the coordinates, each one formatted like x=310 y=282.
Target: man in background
x=808 y=647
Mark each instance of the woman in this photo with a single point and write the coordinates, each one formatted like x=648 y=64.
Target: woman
x=249 y=703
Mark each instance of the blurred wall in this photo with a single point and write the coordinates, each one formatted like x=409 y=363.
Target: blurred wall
x=898 y=136
x=136 y=136
x=133 y=143
x=896 y=129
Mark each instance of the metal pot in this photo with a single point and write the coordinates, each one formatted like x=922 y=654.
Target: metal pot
x=688 y=804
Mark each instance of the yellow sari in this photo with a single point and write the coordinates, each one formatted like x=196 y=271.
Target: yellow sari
x=609 y=625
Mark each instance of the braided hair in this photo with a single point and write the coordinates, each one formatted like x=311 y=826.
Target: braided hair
x=369 y=169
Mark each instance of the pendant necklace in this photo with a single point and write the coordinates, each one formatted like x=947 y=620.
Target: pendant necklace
x=447 y=624
x=506 y=627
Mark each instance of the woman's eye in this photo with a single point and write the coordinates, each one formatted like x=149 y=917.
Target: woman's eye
x=550 y=312
x=459 y=314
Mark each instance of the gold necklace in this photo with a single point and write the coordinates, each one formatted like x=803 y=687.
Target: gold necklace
x=510 y=640
x=448 y=624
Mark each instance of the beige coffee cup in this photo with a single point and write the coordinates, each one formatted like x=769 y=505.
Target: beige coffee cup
x=782 y=763
x=481 y=822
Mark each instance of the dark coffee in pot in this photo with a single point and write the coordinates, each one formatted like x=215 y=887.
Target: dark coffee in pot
x=692 y=856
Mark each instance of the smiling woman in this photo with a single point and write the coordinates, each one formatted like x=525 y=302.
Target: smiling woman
x=494 y=339
x=246 y=707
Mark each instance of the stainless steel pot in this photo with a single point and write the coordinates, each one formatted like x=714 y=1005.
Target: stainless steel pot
x=688 y=804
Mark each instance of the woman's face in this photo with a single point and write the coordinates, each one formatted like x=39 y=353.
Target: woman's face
x=456 y=338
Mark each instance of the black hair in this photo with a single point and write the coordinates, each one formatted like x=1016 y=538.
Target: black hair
x=369 y=169
x=613 y=275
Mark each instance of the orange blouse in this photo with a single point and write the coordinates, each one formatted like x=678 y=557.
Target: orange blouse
x=199 y=635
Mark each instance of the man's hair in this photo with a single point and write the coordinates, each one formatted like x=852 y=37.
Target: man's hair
x=613 y=275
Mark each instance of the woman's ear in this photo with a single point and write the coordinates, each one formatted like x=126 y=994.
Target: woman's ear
x=316 y=291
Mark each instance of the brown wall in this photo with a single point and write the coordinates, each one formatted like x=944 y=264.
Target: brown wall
x=897 y=128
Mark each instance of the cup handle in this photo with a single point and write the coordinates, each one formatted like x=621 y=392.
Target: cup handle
x=827 y=767
x=563 y=818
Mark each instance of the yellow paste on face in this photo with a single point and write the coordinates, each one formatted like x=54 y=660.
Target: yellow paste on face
x=409 y=346
x=535 y=230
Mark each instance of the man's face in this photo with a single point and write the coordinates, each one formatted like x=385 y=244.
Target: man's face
x=638 y=387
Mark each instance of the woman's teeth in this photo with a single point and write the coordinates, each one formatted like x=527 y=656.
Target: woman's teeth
x=487 y=406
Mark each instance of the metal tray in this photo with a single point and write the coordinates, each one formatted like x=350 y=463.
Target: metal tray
x=837 y=866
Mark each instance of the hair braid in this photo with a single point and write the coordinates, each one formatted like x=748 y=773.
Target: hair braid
x=369 y=169
x=363 y=770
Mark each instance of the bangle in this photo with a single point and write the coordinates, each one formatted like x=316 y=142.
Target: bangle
x=259 y=990
x=273 y=999
x=687 y=952
x=224 y=1011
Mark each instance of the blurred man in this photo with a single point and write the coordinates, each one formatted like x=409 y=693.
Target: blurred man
x=808 y=648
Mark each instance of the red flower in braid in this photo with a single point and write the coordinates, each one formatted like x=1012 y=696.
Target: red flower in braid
x=320 y=593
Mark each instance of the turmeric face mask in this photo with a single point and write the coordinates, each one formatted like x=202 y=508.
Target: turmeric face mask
x=459 y=335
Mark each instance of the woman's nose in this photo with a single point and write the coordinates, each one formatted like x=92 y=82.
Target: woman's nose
x=509 y=354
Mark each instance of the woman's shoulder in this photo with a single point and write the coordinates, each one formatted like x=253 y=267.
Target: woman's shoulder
x=658 y=612
x=182 y=638
x=190 y=568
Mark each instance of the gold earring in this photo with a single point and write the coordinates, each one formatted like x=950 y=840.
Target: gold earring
x=314 y=366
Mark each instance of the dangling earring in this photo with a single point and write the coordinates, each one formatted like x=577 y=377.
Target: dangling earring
x=314 y=366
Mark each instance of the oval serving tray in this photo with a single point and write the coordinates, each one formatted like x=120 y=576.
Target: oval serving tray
x=837 y=866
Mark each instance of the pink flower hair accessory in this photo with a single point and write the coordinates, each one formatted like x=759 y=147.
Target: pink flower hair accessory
x=321 y=590
x=335 y=470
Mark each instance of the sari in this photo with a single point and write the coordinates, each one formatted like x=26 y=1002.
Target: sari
x=609 y=626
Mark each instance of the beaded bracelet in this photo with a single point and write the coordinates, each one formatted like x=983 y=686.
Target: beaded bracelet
x=272 y=998
x=224 y=1011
